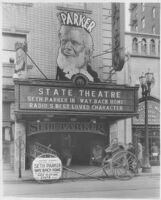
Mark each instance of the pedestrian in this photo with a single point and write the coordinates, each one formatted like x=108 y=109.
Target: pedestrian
x=139 y=154
x=96 y=155
x=131 y=161
x=155 y=151
x=66 y=149
x=131 y=148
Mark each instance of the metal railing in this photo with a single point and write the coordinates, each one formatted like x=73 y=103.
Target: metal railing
x=36 y=149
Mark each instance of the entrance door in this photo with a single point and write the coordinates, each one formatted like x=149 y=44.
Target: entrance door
x=82 y=144
x=81 y=148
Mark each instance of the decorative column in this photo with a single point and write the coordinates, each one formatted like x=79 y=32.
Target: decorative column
x=19 y=146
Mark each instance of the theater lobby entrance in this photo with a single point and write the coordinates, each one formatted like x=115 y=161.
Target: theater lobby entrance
x=82 y=142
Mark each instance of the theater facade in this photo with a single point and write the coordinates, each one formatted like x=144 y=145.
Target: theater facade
x=47 y=110
x=61 y=79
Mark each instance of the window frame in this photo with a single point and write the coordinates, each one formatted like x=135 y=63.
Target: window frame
x=142 y=7
x=152 y=47
x=135 y=45
x=144 y=46
x=153 y=12
x=12 y=35
x=153 y=30
x=143 y=22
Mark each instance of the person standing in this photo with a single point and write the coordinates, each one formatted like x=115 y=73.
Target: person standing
x=155 y=151
x=131 y=148
x=66 y=149
x=131 y=160
x=140 y=154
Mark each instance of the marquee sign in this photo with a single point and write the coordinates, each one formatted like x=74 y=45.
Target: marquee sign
x=153 y=114
x=109 y=101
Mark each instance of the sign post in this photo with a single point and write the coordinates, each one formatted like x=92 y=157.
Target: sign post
x=19 y=157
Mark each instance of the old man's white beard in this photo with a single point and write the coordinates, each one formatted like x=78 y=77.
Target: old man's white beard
x=73 y=65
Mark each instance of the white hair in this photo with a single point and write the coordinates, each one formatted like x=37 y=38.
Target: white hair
x=87 y=38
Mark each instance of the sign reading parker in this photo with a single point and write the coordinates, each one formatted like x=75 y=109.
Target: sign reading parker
x=76 y=47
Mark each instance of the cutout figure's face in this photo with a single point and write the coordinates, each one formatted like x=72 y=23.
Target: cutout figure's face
x=72 y=51
x=72 y=43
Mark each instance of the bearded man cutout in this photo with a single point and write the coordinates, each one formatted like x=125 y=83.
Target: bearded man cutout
x=76 y=48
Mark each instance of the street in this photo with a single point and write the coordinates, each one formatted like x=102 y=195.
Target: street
x=138 y=187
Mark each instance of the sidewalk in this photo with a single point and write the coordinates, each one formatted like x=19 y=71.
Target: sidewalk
x=11 y=176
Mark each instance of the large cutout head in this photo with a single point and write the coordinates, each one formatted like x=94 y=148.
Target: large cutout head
x=75 y=51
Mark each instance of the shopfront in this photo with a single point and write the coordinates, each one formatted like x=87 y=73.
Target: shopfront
x=153 y=127
x=50 y=113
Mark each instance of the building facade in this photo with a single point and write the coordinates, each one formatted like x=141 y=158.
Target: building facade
x=141 y=59
x=145 y=55
x=47 y=105
x=145 y=17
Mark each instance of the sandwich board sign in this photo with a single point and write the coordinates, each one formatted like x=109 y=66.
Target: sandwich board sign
x=47 y=168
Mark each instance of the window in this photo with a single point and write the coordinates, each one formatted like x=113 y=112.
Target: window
x=159 y=47
x=143 y=23
x=9 y=40
x=7 y=135
x=142 y=7
x=143 y=46
x=135 y=45
x=153 y=12
x=153 y=29
x=136 y=28
x=152 y=47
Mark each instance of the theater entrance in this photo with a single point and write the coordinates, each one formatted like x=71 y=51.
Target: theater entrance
x=83 y=144
x=78 y=146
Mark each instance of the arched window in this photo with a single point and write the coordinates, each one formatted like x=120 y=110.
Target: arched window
x=153 y=12
x=135 y=45
x=152 y=47
x=143 y=46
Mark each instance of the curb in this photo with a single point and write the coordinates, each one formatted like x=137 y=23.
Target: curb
x=21 y=180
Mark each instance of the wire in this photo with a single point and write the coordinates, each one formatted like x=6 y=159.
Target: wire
x=113 y=49
x=34 y=63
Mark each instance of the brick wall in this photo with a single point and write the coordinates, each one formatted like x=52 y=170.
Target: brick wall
x=39 y=22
